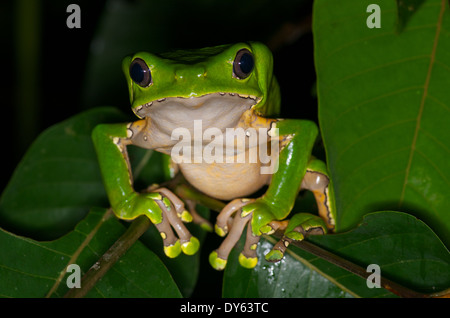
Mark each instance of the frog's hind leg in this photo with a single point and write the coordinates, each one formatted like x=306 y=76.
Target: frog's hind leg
x=317 y=181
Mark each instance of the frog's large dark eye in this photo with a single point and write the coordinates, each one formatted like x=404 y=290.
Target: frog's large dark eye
x=243 y=64
x=140 y=73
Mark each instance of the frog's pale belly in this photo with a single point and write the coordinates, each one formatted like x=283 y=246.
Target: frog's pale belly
x=225 y=181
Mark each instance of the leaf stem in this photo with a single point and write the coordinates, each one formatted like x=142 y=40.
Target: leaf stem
x=110 y=257
x=353 y=268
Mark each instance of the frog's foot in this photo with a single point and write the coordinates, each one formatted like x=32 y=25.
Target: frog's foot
x=253 y=213
x=173 y=216
x=231 y=221
x=300 y=226
x=197 y=218
x=218 y=258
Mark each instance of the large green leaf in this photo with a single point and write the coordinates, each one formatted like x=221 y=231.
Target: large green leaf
x=406 y=250
x=384 y=108
x=30 y=268
x=58 y=180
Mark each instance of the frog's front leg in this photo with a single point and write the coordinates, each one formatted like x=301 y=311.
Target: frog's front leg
x=266 y=214
x=161 y=206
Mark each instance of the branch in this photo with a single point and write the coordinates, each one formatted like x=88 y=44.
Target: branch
x=101 y=267
x=353 y=268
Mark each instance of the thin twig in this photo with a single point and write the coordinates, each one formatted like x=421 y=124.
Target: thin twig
x=353 y=268
x=101 y=267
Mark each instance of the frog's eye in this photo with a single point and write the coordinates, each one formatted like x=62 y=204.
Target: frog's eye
x=243 y=64
x=140 y=73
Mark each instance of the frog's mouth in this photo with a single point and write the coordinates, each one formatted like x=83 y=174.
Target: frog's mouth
x=220 y=110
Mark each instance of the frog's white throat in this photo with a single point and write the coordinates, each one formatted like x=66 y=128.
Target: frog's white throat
x=221 y=110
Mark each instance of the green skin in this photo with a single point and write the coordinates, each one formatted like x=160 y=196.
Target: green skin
x=187 y=76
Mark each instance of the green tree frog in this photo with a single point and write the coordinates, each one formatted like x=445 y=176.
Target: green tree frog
x=221 y=88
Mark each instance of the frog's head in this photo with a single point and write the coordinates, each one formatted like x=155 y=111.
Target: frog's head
x=203 y=83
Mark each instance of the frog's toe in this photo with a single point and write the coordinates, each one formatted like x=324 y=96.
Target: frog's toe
x=277 y=252
x=274 y=256
x=248 y=258
x=190 y=247
x=247 y=262
x=173 y=250
x=221 y=231
x=185 y=216
x=217 y=262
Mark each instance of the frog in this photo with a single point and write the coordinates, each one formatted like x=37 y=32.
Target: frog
x=222 y=87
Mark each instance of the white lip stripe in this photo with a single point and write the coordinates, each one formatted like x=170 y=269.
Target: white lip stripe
x=141 y=110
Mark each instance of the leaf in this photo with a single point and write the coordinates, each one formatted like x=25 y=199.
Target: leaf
x=30 y=268
x=411 y=255
x=384 y=110
x=58 y=180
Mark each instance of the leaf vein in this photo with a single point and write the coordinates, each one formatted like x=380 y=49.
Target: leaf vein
x=422 y=102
